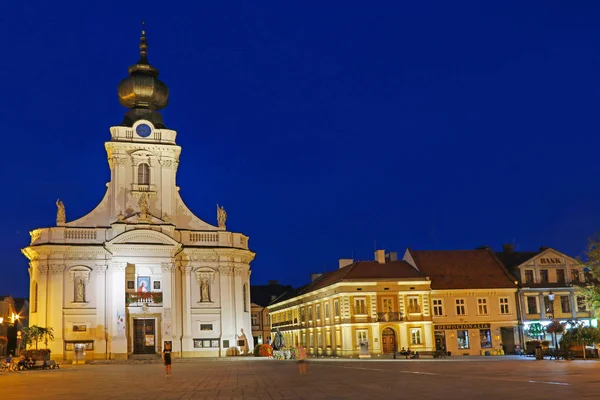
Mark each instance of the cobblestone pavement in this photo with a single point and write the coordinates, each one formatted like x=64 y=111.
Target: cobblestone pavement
x=485 y=378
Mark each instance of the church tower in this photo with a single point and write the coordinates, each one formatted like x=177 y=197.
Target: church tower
x=140 y=269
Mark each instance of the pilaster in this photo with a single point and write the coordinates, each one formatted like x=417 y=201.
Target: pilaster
x=118 y=319
x=101 y=336
x=188 y=345
x=55 y=305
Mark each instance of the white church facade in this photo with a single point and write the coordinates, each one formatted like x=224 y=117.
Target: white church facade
x=141 y=270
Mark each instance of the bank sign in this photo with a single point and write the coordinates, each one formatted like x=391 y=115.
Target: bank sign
x=462 y=326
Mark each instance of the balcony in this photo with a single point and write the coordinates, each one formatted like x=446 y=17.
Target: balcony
x=389 y=316
x=138 y=299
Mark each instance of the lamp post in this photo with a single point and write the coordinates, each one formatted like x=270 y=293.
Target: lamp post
x=551 y=298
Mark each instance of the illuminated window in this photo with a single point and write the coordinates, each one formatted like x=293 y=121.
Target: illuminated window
x=310 y=313
x=463 y=339
x=504 y=306
x=361 y=336
x=413 y=305
x=143 y=174
x=336 y=308
x=460 y=307
x=486 y=338
x=415 y=336
x=327 y=310
x=482 y=308
x=318 y=311
x=581 y=304
x=360 y=306
x=388 y=305
x=438 y=308
x=565 y=304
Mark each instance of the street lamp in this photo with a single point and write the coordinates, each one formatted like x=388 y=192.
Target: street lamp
x=551 y=298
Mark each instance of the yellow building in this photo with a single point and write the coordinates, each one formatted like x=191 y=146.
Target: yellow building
x=473 y=300
x=383 y=304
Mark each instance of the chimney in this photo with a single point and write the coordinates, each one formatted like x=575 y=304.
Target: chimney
x=391 y=256
x=273 y=283
x=508 y=248
x=344 y=262
x=544 y=248
x=313 y=277
x=380 y=256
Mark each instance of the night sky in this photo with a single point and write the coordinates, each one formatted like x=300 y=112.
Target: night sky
x=324 y=128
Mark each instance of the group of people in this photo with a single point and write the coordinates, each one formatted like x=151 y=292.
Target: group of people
x=409 y=354
x=22 y=364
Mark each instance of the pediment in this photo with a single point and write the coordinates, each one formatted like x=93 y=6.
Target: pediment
x=143 y=236
x=552 y=258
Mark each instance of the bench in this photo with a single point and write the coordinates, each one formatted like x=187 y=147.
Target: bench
x=557 y=354
x=434 y=353
x=45 y=364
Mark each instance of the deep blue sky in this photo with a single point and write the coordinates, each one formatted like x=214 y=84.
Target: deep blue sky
x=320 y=126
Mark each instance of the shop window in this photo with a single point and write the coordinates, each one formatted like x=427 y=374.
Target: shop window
x=460 y=307
x=438 y=308
x=565 y=304
x=360 y=306
x=504 y=306
x=528 y=276
x=413 y=305
x=486 y=338
x=463 y=339
x=543 y=275
x=482 y=308
x=532 y=305
x=581 y=304
x=415 y=336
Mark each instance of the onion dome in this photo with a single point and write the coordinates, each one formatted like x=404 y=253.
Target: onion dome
x=142 y=92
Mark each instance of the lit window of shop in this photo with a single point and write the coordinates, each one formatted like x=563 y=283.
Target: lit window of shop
x=415 y=336
x=504 y=306
x=532 y=305
x=486 y=338
x=413 y=305
x=336 y=308
x=361 y=336
x=463 y=339
x=565 y=304
x=482 y=308
x=581 y=304
x=360 y=307
x=460 y=307
x=438 y=308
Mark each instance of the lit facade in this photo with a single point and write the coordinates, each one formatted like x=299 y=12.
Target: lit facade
x=141 y=269
x=383 y=303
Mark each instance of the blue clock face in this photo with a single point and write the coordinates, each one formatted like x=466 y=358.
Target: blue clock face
x=143 y=130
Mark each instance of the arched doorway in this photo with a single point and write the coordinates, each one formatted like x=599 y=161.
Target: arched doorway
x=388 y=340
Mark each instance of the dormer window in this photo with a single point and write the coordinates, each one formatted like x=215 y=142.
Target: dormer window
x=143 y=174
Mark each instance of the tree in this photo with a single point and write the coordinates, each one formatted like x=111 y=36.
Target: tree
x=35 y=334
x=591 y=291
x=581 y=335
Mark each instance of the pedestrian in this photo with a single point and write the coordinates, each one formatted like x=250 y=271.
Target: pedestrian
x=301 y=356
x=167 y=358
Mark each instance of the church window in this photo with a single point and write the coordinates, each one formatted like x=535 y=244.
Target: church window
x=143 y=174
x=245 y=294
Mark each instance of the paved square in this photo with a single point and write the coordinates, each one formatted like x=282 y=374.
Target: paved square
x=454 y=378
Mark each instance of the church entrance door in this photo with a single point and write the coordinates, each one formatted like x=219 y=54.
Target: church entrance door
x=388 y=337
x=144 y=336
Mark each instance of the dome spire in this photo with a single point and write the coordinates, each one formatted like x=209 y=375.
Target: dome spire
x=142 y=92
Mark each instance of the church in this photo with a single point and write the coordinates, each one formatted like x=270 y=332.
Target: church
x=141 y=270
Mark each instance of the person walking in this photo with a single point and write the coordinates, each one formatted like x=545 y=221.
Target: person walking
x=167 y=358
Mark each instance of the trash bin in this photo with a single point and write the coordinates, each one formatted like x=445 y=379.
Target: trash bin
x=539 y=353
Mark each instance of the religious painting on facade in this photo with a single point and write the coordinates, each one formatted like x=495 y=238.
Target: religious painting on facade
x=79 y=328
x=143 y=284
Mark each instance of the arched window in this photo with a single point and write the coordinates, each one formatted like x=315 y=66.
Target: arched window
x=245 y=297
x=34 y=295
x=143 y=174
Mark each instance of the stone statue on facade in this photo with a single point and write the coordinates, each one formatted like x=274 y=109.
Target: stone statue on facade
x=204 y=290
x=279 y=341
x=61 y=215
x=143 y=203
x=80 y=295
x=221 y=216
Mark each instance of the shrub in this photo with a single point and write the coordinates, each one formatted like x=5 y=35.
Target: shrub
x=263 y=350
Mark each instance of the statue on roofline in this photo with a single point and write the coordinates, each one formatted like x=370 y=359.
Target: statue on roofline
x=221 y=216
x=61 y=215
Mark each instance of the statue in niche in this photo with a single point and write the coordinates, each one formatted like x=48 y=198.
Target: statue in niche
x=80 y=291
x=61 y=215
x=221 y=216
x=204 y=290
x=143 y=203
